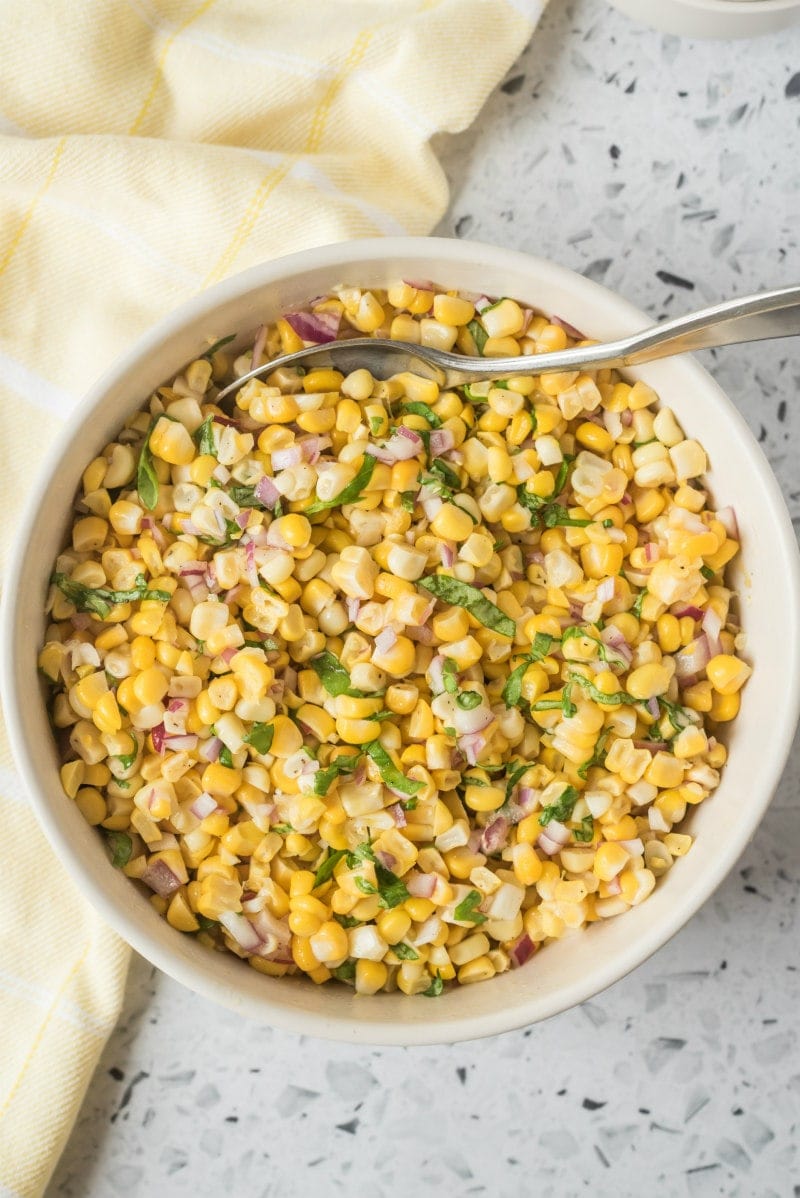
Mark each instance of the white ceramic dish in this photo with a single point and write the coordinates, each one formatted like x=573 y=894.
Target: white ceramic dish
x=570 y=970
x=713 y=18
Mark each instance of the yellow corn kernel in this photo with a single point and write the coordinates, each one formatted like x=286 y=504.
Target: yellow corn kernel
x=393 y=925
x=420 y=909
x=594 y=437
x=727 y=673
x=150 y=686
x=73 y=776
x=171 y=441
x=609 y=860
x=91 y=805
x=724 y=707
x=371 y=976
x=484 y=798
x=303 y=954
x=664 y=771
x=329 y=944
x=677 y=843
x=452 y=523
x=527 y=865
x=179 y=914
x=90 y=690
x=219 y=779
x=106 y=715
x=669 y=633
x=478 y=970
x=648 y=681
x=699 y=697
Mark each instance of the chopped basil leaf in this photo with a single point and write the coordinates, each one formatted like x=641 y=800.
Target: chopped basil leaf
x=408 y=500
x=598 y=696
x=409 y=804
x=598 y=755
x=707 y=572
x=245 y=497
x=351 y=493
x=389 y=771
x=345 y=972
x=562 y=809
x=405 y=952
x=472 y=395
x=461 y=594
x=676 y=714
x=204 y=437
x=225 y=757
x=467 y=909
x=379 y=716
x=206 y=924
x=123 y=785
x=446 y=474
x=449 y=673
x=325 y=871
x=512 y=691
x=561 y=477
x=553 y=515
x=333 y=675
x=146 y=477
x=209 y=353
x=468 y=700
x=637 y=604
x=375 y=424
x=513 y=777
x=448 y=731
x=567 y=706
x=282 y=829
x=436 y=987
x=584 y=834
x=100 y=600
x=121 y=847
x=260 y=737
x=422 y=409
x=323 y=779
x=392 y=890
x=348 y=921
x=365 y=887
x=479 y=335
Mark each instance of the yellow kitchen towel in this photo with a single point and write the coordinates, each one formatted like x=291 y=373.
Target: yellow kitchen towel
x=149 y=148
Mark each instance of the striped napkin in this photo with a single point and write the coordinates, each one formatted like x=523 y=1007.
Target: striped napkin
x=149 y=148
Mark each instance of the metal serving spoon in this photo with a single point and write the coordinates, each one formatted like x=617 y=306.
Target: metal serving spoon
x=752 y=318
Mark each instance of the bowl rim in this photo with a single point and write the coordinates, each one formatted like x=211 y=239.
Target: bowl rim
x=338 y=1026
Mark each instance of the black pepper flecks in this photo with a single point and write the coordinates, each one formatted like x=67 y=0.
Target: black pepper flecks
x=512 y=85
x=128 y=1092
x=464 y=224
x=666 y=276
x=792 y=88
x=591 y=1104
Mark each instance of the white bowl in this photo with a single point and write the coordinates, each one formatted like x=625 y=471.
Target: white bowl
x=713 y=18
x=565 y=972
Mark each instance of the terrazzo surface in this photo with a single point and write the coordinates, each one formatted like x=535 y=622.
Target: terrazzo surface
x=669 y=171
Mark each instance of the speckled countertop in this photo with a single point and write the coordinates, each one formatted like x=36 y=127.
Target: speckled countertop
x=668 y=170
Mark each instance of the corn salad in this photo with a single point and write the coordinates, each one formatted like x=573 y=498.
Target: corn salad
x=386 y=684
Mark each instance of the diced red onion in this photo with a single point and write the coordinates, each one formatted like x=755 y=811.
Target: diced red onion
x=653 y=707
x=181 y=743
x=420 y=633
x=284 y=459
x=429 y=930
x=568 y=328
x=548 y=846
x=250 y=564
x=472 y=745
x=353 y=606
x=727 y=518
x=436 y=674
x=526 y=798
x=474 y=842
x=242 y=517
x=605 y=590
x=159 y=736
x=420 y=284
x=266 y=491
x=233 y=594
x=653 y=746
x=387 y=860
x=431 y=504
x=257 y=355
x=527 y=317
x=712 y=627
x=241 y=930
x=316 y=327
x=494 y=835
x=558 y=832
x=203 y=805
x=627 y=417
x=312 y=447
x=189 y=568
x=447 y=552
x=652 y=552
x=210 y=749
x=614 y=886
x=522 y=951
x=483 y=302
x=442 y=440
x=398 y=814
x=694 y=658
x=160 y=878
x=421 y=885
x=385 y=640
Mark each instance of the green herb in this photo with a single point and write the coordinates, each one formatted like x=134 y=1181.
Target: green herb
x=707 y=572
x=561 y=477
x=547 y=705
x=677 y=715
x=584 y=834
x=362 y=852
x=409 y=804
x=333 y=675
x=375 y=424
x=639 y=444
x=389 y=771
x=467 y=909
x=392 y=890
x=449 y=676
x=278 y=509
x=126 y=760
x=225 y=757
x=474 y=396
x=260 y=737
x=351 y=493
x=512 y=691
x=122 y=784
x=206 y=924
x=345 y=972
x=637 y=604
x=204 y=437
x=422 y=409
x=436 y=987
x=562 y=809
x=514 y=777
x=461 y=594
x=468 y=700
x=323 y=779
x=348 y=921
x=479 y=335
x=448 y=731
x=146 y=477
x=366 y=887
x=325 y=871
x=610 y=700
x=282 y=829
x=100 y=600
x=546 y=513
x=379 y=716
x=209 y=353
x=121 y=847
x=446 y=473
x=598 y=755
x=408 y=500
x=245 y=497
x=405 y=952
